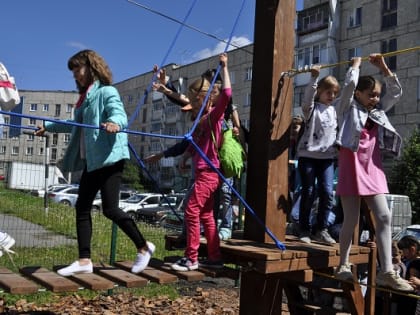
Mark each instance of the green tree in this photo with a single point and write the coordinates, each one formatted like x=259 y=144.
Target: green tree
x=405 y=174
x=131 y=176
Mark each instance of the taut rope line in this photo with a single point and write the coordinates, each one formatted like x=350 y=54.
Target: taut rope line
x=293 y=72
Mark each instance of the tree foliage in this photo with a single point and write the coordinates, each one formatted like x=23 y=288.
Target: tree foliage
x=405 y=174
x=131 y=176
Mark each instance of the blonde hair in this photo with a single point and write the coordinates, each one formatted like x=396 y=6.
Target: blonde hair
x=326 y=83
x=199 y=85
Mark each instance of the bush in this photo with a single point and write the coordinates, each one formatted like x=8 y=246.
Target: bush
x=405 y=174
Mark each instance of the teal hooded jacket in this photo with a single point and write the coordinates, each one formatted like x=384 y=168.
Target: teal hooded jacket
x=102 y=104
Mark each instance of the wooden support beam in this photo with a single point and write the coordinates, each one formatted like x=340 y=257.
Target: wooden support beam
x=267 y=172
x=270 y=117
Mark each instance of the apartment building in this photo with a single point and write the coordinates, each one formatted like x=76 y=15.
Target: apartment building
x=16 y=145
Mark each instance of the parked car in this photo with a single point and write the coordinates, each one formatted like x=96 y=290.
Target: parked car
x=68 y=196
x=413 y=230
x=125 y=194
x=155 y=215
x=51 y=188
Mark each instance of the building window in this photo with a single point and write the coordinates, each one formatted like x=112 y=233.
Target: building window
x=66 y=138
x=155 y=128
x=311 y=55
x=355 y=18
x=15 y=150
x=248 y=74
x=418 y=88
x=144 y=115
x=29 y=151
x=157 y=105
x=247 y=100
x=313 y=19
x=69 y=108
x=4 y=134
x=55 y=139
x=303 y=57
x=32 y=122
x=389 y=46
x=57 y=110
x=45 y=107
x=41 y=151
x=232 y=77
x=155 y=146
x=143 y=137
x=170 y=129
x=7 y=120
x=31 y=137
x=3 y=149
x=389 y=13
x=354 y=52
x=54 y=154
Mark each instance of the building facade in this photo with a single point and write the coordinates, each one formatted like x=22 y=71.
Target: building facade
x=327 y=32
x=19 y=144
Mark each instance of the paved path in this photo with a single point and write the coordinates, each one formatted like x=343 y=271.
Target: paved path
x=28 y=234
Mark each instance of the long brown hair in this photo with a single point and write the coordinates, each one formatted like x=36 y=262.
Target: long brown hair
x=97 y=67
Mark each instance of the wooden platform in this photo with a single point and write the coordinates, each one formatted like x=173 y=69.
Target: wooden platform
x=268 y=259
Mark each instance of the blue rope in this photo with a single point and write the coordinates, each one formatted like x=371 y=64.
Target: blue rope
x=149 y=87
x=187 y=136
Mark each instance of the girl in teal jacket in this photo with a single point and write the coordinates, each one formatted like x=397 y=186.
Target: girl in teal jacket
x=100 y=153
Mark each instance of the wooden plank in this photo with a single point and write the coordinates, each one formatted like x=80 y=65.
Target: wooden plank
x=302 y=276
x=354 y=296
x=93 y=281
x=193 y=275
x=250 y=249
x=316 y=262
x=49 y=279
x=15 y=283
x=122 y=277
x=150 y=273
x=225 y=272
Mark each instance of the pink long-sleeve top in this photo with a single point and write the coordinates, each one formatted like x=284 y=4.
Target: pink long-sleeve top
x=202 y=136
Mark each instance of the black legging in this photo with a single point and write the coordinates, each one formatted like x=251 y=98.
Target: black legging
x=108 y=181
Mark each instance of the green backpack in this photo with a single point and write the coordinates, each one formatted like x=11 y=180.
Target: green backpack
x=231 y=155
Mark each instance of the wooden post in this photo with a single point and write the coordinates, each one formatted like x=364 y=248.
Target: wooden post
x=271 y=104
x=267 y=173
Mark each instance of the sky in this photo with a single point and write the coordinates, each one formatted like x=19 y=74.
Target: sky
x=132 y=35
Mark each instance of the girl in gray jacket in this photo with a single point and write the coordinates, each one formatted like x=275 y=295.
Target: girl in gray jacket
x=317 y=153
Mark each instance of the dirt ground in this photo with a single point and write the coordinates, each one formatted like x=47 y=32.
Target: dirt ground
x=203 y=298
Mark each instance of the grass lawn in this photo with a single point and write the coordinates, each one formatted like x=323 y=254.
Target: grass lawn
x=60 y=219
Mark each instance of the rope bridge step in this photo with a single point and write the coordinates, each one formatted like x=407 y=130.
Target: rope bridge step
x=104 y=277
x=16 y=284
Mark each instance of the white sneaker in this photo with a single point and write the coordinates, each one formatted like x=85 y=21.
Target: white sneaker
x=392 y=280
x=225 y=234
x=142 y=260
x=184 y=264
x=305 y=236
x=75 y=268
x=343 y=272
x=6 y=242
x=324 y=237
